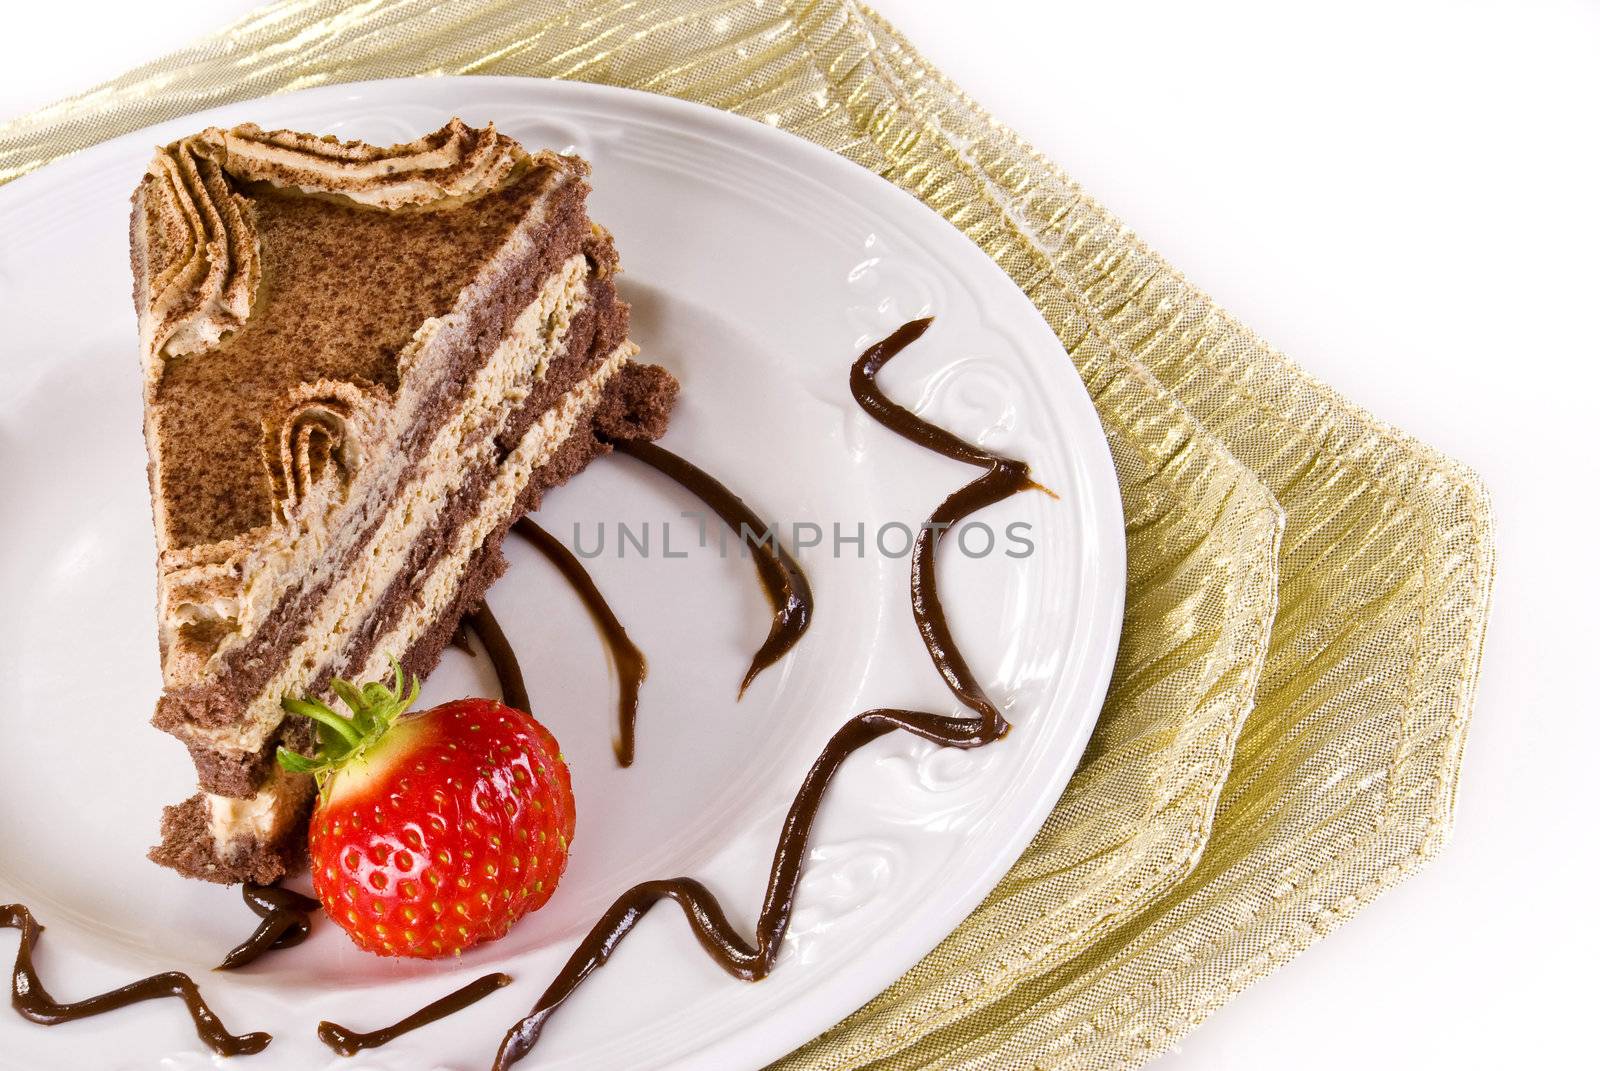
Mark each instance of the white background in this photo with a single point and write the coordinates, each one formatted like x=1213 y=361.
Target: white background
x=1325 y=172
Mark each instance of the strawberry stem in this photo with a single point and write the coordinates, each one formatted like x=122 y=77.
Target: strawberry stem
x=324 y=715
x=342 y=740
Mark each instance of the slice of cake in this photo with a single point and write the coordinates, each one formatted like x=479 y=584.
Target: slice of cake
x=361 y=364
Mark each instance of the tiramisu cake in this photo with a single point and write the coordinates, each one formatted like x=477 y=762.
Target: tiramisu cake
x=361 y=364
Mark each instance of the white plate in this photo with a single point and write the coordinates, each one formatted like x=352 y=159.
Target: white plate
x=758 y=267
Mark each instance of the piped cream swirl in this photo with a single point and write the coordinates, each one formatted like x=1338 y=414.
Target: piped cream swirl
x=200 y=253
x=313 y=443
x=454 y=161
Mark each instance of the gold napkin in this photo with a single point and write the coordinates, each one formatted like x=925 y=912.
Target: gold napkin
x=1307 y=587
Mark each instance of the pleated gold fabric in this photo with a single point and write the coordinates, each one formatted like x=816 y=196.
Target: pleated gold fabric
x=1307 y=587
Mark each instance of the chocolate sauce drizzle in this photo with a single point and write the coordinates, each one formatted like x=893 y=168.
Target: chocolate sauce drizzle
x=629 y=660
x=781 y=577
x=285 y=922
x=35 y=1004
x=347 y=1042
x=513 y=692
x=1006 y=477
x=748 y=960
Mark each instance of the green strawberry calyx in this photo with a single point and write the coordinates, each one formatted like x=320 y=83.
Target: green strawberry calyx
x=341 y=740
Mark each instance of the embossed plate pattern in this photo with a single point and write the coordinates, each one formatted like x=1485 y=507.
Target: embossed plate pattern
x=758 y=266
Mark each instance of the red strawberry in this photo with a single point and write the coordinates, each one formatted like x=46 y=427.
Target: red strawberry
x=436 y=831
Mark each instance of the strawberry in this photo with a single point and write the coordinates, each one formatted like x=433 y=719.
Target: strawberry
x=435 y=831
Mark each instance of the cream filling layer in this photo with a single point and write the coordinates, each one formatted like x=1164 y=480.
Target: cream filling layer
x=240 y=822
x=535 y=450
x=262 y=819
x=505 y=379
